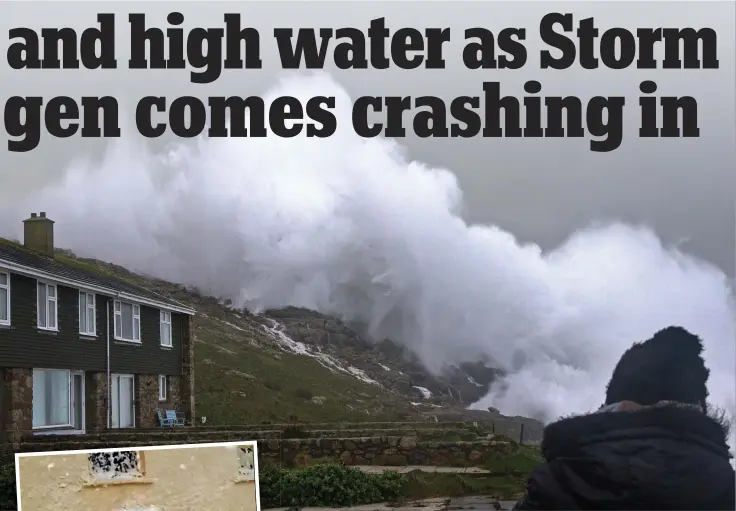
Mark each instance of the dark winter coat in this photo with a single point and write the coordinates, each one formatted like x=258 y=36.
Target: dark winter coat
x=653 y=458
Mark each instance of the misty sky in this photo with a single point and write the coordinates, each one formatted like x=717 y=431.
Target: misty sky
x=541 y=191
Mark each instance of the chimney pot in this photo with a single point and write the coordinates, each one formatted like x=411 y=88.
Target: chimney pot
x=33 y=215
x=42 y=214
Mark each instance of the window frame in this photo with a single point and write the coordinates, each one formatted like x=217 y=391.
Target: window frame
x=106 y=476
x=117 y=309
x=54 y=300
x=163 y=385
x=246 y=463
x=6 y=288
x=164 y=323
x=87 y=332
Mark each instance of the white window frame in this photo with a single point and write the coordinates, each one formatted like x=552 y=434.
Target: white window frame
x=49 y=301
x=84 y=313
x=163 y=390
x=6 y=288
x=135 y=315
x=165 y=323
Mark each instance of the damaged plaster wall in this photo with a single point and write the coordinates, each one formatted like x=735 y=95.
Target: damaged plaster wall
x=181 y=479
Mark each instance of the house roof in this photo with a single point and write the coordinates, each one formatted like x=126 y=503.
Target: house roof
x=69 y=271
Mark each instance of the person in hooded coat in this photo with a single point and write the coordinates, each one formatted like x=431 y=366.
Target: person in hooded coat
x=652 y=445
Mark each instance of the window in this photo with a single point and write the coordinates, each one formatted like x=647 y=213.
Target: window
x=4 y=298
x=162 y=384
x=51 y=398
x=46 y=294
x=87 y=320
x=116 y=465
x=58 y=399
x=166 y=329
x=127 y=321
x=246 y=462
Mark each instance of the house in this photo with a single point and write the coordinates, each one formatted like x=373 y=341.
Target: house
x=82 y=350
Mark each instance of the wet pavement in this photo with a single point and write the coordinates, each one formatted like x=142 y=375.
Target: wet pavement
x=375 y=469
x=436 y=504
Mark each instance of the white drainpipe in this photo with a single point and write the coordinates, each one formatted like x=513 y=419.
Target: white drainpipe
x=109 y=390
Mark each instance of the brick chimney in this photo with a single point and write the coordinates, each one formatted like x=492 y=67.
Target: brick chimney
x=38 y=234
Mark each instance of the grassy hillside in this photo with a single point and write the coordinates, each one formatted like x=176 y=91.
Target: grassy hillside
x=241 y=377
x=294 y=364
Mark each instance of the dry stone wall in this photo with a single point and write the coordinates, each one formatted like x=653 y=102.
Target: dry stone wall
x=375 y=450
x=393 y=444
x=380 y=450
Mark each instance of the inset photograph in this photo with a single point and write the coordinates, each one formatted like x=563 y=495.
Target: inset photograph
x=222 y=476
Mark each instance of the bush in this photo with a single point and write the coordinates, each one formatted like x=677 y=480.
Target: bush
x=328 y=485
x=8 y=498
x=294 y=431
x=303 y=394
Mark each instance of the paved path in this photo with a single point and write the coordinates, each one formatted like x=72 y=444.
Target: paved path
x=436 y=504
x=375 y=469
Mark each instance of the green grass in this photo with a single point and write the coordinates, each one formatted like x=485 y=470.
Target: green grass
x=423 y=485
x=237 y=382
x=519 y=462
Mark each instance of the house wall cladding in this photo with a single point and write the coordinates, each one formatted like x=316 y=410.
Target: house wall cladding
x=24 y=345
x=148 y=357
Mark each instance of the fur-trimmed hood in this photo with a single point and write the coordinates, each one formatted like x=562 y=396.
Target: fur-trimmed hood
x=566 y=436
x=633 y=457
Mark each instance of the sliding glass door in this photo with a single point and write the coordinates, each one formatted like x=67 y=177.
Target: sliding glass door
x=123 y=400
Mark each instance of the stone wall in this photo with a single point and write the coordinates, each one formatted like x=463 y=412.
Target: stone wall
x=96 y=396
x=17 y=403
x=380 y=450
x=186 y=388
x=375 y=450
x=147 y=399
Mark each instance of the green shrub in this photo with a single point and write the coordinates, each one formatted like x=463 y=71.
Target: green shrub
x=303 y=394
x=7 y=487
x=328 y=485
x=294 y=431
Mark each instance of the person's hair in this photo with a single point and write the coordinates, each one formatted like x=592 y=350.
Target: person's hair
x=667 y=367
